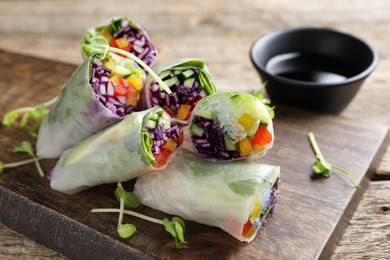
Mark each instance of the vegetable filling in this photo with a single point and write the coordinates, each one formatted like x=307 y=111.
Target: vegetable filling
x=229 y=127
x=126 y=35
x=164 y=138
x=186 y=92
x=260 y=213
x=117 y=85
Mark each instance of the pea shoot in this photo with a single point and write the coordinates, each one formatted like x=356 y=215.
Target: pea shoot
x=324 y=168
x=25 y=147
x=175 y=226
x=38 y=112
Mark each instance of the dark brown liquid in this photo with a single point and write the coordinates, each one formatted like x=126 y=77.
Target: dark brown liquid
x=309 y=68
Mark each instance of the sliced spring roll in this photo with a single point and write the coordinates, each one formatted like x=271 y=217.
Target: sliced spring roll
x=231 y=125
x=189 y=81
x=99 y=94
x=142 y=142
x=236 y=197
x=124 y=33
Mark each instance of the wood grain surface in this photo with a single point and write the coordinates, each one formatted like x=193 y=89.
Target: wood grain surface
x=220 y=32
x=29 y=206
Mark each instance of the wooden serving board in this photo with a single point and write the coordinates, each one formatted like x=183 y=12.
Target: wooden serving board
x=308 y=221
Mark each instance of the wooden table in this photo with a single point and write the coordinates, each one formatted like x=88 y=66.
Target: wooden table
x=221 y=33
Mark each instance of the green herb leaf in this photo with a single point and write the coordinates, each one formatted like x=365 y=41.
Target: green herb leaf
x=26 y=147
x=176 y=228
x=10 y=118
x=129 y=198
x=243 y=187
x=324 y=168
x=38 y=112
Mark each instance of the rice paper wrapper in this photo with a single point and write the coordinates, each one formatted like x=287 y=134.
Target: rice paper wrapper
x=142 y=45
x=220 y=195
x=77 y=115
x=180 y=65
x=116 y=154
x=228 y=112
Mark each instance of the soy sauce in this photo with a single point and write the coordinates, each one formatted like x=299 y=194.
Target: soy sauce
x=309 y=68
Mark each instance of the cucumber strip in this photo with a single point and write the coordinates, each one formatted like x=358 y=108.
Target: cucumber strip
x=204 y=113
x=164 y=74
x=196 y=130
x=170 y=82
x=187 y=73
x=252 y=130
x=121 y=71
x=264 y=120
x=229 y=143
x=188 y=83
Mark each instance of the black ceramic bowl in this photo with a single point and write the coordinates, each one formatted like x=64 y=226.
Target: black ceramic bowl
x=313 y=68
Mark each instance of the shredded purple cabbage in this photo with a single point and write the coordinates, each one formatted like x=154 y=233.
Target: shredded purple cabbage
x=274 y=198
x=105 y=91
x=160 y=136
x=211 y=144
x=180 y=94
x=142 y=46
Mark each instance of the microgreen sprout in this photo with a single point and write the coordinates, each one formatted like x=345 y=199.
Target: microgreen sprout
x=324 y=168
x=129 y=198
x=99 y=45
x=175 y=226
x=37 y=112
x=124 y=230
x=4 y=166
x=260 y=95
x=26 y=147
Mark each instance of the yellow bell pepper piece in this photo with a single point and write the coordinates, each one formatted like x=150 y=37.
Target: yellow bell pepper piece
x=246 y=121
x=245 y=147
x=136 y=81
x=107 y=35
x=183 y=112
x=170 y=144
x=256 y=212
x=110 y=64
x=250 y=233
x=122 y=42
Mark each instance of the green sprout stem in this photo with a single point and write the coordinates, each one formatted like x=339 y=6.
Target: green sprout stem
x=315 y=147
x=323 y=167
x=22 y=163
x=128 y=212
x=347 y=173
x=142 y=64
x=31 y=108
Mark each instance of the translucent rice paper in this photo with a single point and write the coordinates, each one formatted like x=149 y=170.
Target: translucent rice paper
x=116 y=154
x=150 y=58
x=205 y=79
x=77 y=115
x=220 y=195
x=227 y=111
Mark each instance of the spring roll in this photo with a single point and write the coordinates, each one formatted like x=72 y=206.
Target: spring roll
x=142 y=142
x=100 y=93
x=123 y=33
x=236 y=197
x=189 y=81
x=231 y=125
